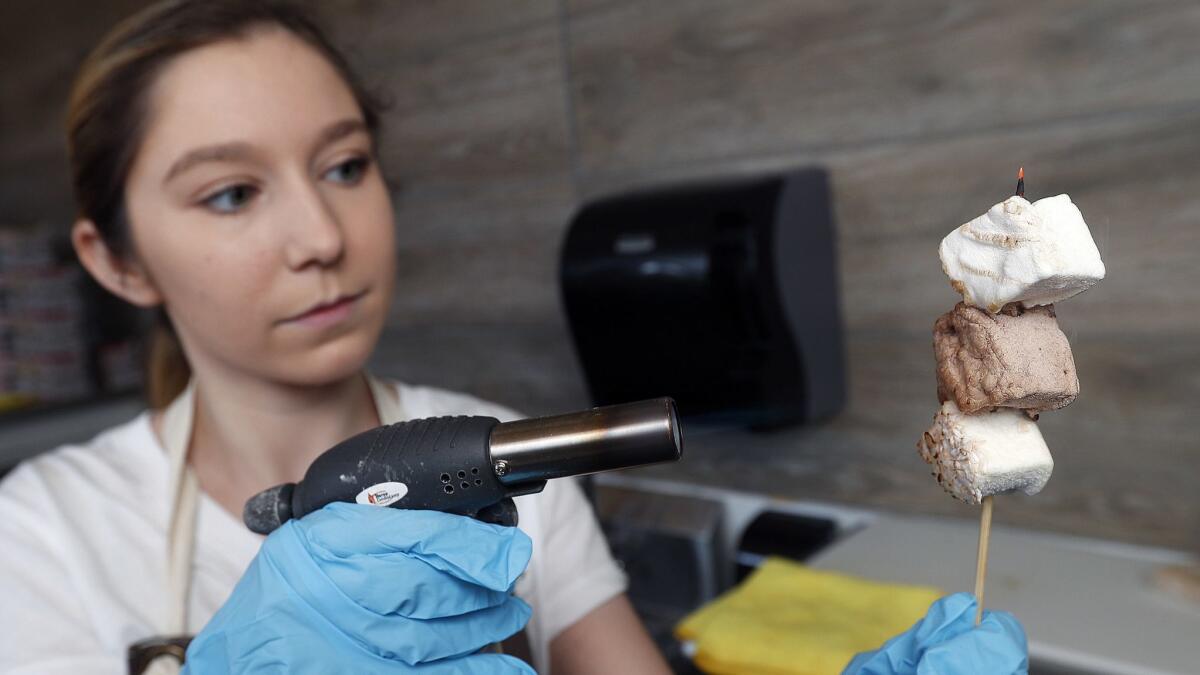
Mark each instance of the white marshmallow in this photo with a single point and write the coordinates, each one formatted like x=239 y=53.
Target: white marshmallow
x=986 y=453
x=1035 y=254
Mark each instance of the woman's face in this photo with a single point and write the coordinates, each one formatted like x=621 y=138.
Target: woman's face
x=254 y=198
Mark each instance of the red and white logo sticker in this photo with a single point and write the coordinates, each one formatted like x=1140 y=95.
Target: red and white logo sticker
x=382 y=494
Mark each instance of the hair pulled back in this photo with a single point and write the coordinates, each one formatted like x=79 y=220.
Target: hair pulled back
x=107 y=116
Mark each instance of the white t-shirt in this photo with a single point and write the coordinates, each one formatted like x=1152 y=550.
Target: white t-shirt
x=83 y=550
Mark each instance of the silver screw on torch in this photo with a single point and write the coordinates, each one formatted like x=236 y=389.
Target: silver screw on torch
x=600 y=439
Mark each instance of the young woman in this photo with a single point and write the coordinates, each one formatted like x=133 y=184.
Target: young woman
x=223 y=157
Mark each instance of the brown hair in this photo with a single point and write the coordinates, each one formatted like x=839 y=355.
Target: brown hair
x=106 y=119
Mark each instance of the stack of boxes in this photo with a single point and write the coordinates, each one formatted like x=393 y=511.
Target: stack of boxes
x=43 y=353
x=62 y=337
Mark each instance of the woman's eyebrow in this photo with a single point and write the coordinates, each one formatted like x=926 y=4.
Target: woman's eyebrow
x=225 y=152
x=229 y=152
x=339 y=130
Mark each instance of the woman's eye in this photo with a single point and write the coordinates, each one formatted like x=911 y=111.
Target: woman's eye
x=231 y=199
x=348 y=172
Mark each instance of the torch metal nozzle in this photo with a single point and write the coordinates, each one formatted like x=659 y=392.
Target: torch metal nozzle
x=600 y=439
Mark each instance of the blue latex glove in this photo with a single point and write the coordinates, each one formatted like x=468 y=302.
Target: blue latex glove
x=946 y=642
x=364 y=589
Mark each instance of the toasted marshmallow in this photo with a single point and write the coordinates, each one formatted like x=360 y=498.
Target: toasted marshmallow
x=1034 y=254
x=988 y=453
x=1018 y=358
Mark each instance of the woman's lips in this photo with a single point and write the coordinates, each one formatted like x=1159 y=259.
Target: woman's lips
x=327 y=315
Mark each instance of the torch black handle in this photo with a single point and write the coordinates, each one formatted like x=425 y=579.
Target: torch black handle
x=439 y=463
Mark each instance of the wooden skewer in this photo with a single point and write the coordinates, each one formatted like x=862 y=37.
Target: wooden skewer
x=985 y=517
x=985 y=532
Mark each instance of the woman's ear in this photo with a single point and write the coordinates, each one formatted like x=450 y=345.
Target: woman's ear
x=127 y=279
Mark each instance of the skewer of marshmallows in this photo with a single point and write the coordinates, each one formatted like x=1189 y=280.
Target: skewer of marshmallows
x=1001 y=357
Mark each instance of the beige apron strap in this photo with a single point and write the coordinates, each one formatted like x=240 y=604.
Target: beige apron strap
x=181 y=520
x=388 y=405
x=185 y=494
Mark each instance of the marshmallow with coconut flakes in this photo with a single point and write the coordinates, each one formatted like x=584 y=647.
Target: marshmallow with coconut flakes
x=1034 y=254
x=988 y=453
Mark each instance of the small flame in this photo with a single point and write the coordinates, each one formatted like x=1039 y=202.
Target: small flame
x=1021 y=173
x=1021 y=182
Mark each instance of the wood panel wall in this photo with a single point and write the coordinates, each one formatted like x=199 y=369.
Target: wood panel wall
x=506 y=116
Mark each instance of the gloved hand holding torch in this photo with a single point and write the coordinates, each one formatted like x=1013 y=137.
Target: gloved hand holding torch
x=355 y=587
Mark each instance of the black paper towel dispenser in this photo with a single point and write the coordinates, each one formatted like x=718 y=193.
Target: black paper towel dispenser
x=722 y=295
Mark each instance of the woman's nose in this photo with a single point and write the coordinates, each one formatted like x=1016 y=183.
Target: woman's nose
x=315 y=235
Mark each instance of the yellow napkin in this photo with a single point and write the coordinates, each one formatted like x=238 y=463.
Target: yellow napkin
x=789 y=619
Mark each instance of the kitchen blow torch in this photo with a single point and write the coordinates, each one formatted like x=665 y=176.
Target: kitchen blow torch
x=472 y=466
